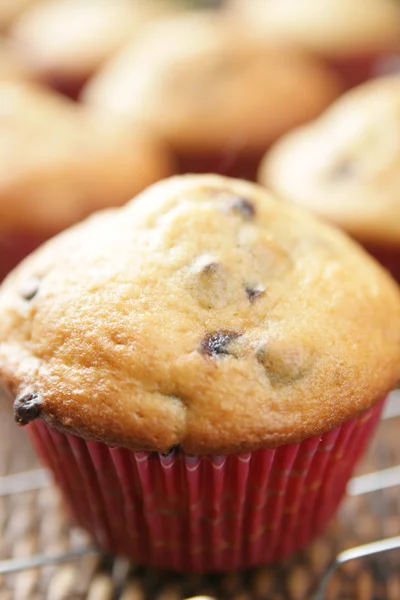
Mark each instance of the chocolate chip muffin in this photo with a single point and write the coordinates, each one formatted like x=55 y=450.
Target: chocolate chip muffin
x=65 y=41
x=60 y=162
x=216 y=95
x=350 y=34
x=345 y=167
x=203 y=358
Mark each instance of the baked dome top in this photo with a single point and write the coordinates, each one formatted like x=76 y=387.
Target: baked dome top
x=204 y=314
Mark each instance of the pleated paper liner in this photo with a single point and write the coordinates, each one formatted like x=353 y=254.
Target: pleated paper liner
x=354 y=70
x=16 y=246
x=388 y=257
x=203 y=514
x=36 y=523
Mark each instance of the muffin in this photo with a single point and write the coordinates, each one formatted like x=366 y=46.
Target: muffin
x=11 y=68
x=60 y=162
x=201 y=370
x=218 y=97
x=10 y=10
x=65 y=41
x=346 y=167
x=350 y=34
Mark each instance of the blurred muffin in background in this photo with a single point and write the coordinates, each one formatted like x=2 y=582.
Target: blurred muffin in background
x=346 y=167
x=351 y=34
x=10 y=10
x=11 y=68
x=65 y=41
x=60 y=162
x=218 y=97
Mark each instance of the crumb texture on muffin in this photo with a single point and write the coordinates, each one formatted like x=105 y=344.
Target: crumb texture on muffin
x=205 y=85
x=345 y=165
x=205 y=314
x=60 y=161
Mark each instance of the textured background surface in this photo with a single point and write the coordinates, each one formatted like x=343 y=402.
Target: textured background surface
x=33 y=522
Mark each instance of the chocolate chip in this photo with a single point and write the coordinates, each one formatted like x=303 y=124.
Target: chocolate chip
x=216 y=344
x=172 y=450
x=285 y=363
x=206 y=265
x=30 y=288
x=211 y=268
x=244 y=208
x=344 y=169
x=209 y=282
x=254 y=293
x=27 y=408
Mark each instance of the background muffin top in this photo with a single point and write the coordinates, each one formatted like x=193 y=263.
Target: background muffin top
x=205 y=314
x=70 y=39
x=10 y=10
x=204 y=84
x=346 y=165
x=11 y=68
x=60 y=162
x=332 y=28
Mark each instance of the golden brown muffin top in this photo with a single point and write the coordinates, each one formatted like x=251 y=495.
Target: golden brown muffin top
x=72 y=38
x=204 y=85
x=204 y=314
x=60 y=161
x=346 y=165
x=332 y=28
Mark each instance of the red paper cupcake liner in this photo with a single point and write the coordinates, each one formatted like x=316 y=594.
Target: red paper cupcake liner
x=389 y=259
x=354 y=70
x=14 y=247
x=205 y=513
x=68 y=86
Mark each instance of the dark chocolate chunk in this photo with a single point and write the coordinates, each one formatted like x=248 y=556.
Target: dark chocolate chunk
x=172 y=450
x=216 y=344
x=30 y=288
x=244 y=208
x=27 y=408
x=254 y=293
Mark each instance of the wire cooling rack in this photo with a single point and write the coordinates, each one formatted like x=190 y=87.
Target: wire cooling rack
x=44 y=557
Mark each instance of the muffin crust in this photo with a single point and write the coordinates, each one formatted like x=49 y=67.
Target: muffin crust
x=205 y=85
x=204 y=314
x=10 y=68
x=60 y=162
x=345 y=166
x=70 y=39
x=11 y=10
